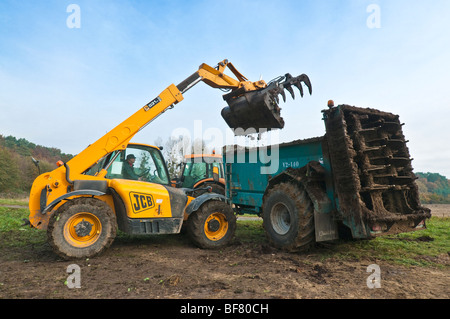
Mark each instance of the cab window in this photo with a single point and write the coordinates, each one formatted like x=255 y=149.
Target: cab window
x=141 y=163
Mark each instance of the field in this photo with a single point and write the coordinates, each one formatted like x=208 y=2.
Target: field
x=413 y=265
x=439 y=210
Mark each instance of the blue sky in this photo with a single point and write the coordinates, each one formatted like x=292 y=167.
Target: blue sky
x=65 y=88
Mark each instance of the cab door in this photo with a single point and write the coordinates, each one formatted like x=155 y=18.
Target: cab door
x=140 y=176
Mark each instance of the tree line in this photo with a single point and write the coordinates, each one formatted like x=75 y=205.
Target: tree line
x=433 y=188
x=17 y=170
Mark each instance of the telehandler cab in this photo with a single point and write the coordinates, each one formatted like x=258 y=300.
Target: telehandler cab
x=82 y=202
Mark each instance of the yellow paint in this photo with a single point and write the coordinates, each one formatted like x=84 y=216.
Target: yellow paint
x=220 y=228
x=143 y=199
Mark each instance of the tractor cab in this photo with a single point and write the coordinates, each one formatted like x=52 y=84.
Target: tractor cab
x=201 y=170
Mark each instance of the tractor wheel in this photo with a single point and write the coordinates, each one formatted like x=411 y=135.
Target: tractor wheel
x=212 y=226
x=81 y=228
x=288 y=217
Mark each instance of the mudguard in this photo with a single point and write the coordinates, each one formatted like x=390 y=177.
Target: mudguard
x=199 y=201
x=89 y=192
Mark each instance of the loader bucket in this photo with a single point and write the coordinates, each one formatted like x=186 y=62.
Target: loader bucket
x=250 y=111
x=255 y=110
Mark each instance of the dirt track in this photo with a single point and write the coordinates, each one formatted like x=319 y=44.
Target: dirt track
x=170 y=267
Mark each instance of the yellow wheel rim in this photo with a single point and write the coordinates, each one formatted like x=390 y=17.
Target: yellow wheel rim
x=82 y=229
x=216 y=226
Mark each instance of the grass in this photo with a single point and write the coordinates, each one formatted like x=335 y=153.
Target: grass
x=12 y=234
x=250 y=231
x=421 y=248
x=12 y=201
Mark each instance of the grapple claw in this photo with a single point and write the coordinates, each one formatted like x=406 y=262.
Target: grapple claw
x=259 y=108
x=296 y=81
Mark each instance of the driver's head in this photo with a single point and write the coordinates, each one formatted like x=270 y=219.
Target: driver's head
x=131 y=158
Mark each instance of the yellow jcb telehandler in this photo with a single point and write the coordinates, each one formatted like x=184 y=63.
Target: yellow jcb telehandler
x=114 y=183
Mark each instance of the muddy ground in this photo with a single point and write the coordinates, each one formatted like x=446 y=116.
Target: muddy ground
x=171 y=267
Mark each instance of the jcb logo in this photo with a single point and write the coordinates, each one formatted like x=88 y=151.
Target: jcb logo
x=141 y=202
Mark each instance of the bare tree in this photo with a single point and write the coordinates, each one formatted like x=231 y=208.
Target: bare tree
x=176 y=148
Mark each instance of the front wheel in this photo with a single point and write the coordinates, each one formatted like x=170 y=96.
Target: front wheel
x=212 y=226
x=82 y=228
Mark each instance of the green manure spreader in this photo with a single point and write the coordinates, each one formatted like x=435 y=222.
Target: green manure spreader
x=356 y=181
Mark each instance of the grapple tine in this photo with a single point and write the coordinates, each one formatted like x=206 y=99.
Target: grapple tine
x=307 y=82
x=273 y=92
x=281 y=91
x=290 y=90
x=287 y=79
x=298 y=84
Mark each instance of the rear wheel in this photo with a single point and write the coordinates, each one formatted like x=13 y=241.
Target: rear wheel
x=288 y=217
x=212 y=226
x=82 y=228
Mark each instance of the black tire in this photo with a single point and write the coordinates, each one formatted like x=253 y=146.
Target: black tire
x=288 y=218
x=212 y=226
x=82 y=228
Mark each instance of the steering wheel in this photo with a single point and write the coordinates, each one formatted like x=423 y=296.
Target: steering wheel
x=152 y=177
x=145 y=172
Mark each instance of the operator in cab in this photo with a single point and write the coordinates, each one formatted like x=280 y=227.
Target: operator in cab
x=128 y=168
